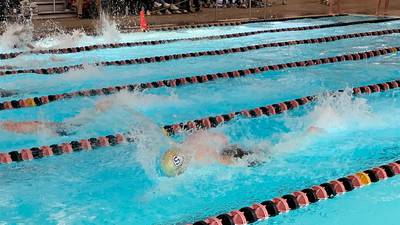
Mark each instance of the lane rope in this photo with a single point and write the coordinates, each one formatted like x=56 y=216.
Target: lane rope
x=43 y=100
x=305 y=197
x=158 y=42
x=205 y=123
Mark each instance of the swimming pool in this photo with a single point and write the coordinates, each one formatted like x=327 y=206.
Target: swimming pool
x=122 y=184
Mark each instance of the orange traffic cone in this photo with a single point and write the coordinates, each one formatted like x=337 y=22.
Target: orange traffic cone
x=143 y=23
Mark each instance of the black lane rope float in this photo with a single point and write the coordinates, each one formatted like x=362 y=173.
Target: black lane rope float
x=157 y=42
x=205 y=123
x=43 y=100
x=305 y=197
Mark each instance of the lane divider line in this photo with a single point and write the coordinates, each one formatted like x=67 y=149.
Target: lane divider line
x=43 y=100
x=305 y=197
x=205 y=123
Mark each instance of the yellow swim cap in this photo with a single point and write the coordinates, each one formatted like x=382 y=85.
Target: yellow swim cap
x=173 y=162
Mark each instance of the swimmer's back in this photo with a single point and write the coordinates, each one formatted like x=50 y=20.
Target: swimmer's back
x=7 y=93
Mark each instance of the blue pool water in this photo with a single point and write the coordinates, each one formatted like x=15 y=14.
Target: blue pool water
x=122 y=184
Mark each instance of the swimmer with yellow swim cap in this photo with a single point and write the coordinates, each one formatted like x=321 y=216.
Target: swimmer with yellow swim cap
x=203 y=148
x=212 y=147
x=174 y=162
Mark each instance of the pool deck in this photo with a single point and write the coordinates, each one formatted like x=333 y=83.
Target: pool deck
x=293 y=9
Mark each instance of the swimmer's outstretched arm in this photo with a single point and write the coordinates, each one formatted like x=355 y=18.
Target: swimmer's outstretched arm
x=87 y=115
x=293 y=143
x=27 y=127
x=205 y=146
x=30 y=46
x=314 y=130
x=104 y=105
x=204 y=136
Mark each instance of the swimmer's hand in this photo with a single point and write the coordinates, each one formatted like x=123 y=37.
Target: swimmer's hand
x=30 y=46
x=103 y=105
x=315 y=130
x=56 y=59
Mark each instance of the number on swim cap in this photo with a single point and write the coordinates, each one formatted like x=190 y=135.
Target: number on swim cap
x=177 y=160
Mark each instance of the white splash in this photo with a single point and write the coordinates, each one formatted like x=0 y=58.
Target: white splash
x=62 y=39
x=108 y=29
x=89 y=72
x=340 y=112
x=149 y=138
x=16 y=37
x=333 y=113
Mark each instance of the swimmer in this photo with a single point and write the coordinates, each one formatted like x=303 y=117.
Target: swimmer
x=29 y=127
x=53 y=128
x=203 y=148
x=7 y=93
x=210 y=147
x=54 y=58
x=21 y=38
x=378 y=8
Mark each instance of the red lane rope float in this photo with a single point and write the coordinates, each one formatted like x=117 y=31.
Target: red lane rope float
x=42 y=100
x=303 y=198
x=157 y=42
x=205 y=123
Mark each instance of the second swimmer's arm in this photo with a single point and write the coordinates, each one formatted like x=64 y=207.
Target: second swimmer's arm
x=295 y=141
x=26 y=127
x=104 y=105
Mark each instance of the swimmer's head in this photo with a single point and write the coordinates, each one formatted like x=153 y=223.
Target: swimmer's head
x=173 y=162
